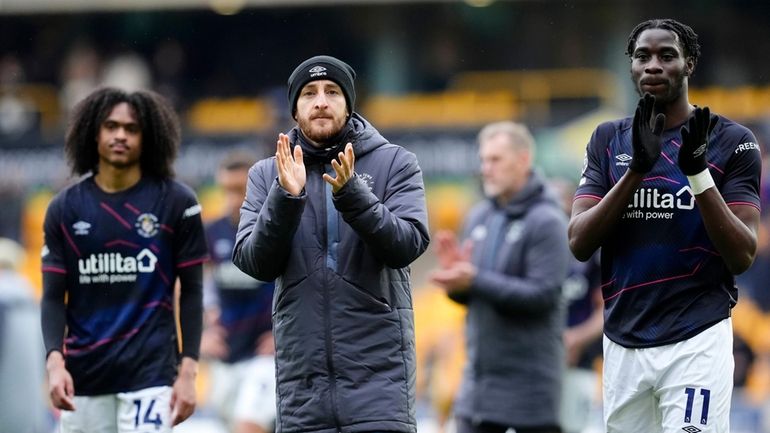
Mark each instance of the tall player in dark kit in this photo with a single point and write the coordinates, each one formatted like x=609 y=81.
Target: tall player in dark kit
x=115 y=243
x=672 y=198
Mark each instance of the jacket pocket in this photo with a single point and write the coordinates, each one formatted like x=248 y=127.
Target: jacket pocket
x=406 y=319
x=366 y=298
x=282 y=288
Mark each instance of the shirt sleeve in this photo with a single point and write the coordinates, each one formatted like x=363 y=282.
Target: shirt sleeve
x=189 y=239
x=55 y=239
x=53 y=310
x=594 y=179
x=741 y=181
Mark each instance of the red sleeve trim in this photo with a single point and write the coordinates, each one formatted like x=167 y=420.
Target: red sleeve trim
x=54 y=269
x=595 y=197
x=192 y=262
x=743 y=203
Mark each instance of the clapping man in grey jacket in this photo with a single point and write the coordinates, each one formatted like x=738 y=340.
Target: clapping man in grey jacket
x=336 y=217
x=509 y=271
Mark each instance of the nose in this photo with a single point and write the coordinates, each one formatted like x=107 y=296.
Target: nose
x=653 y=66
x=120 y=133
x=320 y=100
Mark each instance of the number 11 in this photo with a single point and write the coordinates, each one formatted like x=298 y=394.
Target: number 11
x=704 y=414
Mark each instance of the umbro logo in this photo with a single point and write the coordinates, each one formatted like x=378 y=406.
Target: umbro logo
x=691 y=429
x=317 y=71
x=81 y=228
x=699 y=151
x=623 y=159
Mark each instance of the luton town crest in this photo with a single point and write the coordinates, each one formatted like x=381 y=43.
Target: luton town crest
x=147 y=225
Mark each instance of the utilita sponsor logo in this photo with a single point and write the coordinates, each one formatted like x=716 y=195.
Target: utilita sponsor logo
x=114 y=267
x=650 y=203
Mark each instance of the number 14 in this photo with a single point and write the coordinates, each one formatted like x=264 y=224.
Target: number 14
x=148 y=419
x=704 y=414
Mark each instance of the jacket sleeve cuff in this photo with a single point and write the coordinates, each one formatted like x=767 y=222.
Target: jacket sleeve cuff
x=354 y=194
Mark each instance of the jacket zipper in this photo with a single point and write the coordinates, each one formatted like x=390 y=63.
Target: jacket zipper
x=327 y=305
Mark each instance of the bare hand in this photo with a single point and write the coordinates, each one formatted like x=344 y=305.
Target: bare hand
x=344 y=168
x=60 y=385
x=573 y=347
x=448 y=249
x=458 y=277
x=291 y=168
x=183 y=393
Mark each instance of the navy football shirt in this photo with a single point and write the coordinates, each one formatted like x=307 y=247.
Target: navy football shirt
x=662 y=279
x=120 y=253
x=245 y=303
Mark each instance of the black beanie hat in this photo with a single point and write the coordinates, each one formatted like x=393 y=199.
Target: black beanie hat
x=322 y=68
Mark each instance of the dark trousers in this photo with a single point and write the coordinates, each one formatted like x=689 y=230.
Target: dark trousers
x=464 y=425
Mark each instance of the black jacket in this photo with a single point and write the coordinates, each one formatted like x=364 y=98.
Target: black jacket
x=342 y=311
x=515 y=318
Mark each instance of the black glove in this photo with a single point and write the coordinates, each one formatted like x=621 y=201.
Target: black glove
x=645 y=139
x=695 y=141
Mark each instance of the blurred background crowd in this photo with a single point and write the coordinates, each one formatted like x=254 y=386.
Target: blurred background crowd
x=430 y=74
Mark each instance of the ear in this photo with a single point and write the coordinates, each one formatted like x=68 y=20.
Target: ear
x=689 y=66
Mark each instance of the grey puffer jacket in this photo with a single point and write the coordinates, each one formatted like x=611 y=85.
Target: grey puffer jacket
x=342 y=310
x=515 y=318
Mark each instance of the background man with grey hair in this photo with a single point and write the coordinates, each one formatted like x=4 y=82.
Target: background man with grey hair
x=509 y=272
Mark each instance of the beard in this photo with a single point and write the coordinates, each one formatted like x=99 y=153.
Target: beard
x=317 y=135
x=489 y=190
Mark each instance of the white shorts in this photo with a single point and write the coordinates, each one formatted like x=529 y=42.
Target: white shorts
x=145 y=411
x=245 y=391
x=685 y=386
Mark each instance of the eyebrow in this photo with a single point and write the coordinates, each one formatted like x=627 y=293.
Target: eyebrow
x=673 y=48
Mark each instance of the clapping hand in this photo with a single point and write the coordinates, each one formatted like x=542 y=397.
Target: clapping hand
x=695 y=140
x=448 y=249
x=645 y=138
x=291 y=167
x=456 y=272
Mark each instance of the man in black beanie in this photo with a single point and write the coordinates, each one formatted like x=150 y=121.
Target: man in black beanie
x=336 y=217
x=322 y=68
